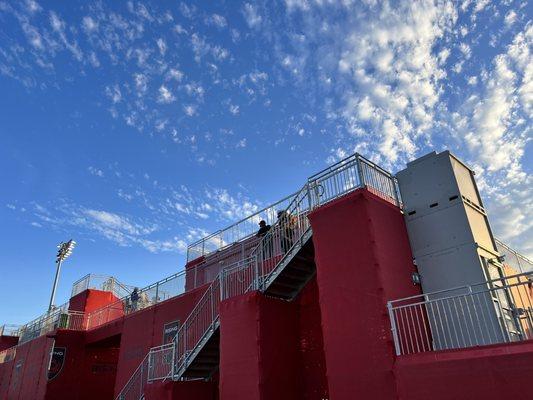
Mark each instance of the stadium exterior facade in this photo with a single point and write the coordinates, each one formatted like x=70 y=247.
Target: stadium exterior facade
x=367 y=286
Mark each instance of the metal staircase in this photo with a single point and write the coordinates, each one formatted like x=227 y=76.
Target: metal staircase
x=279 y=266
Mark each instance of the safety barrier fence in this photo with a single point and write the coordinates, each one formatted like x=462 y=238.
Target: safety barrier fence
x=59 y=318
x=101 y=282
x=236 y=232
x=257 y=270
x=134 y=388
x=496 y=311
x=155 y=293
x=8 y=354
x=9 y=330
x=518 y=262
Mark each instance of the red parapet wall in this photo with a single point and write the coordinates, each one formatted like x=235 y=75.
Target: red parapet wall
x=363 y=259
x=27 y=372
x=8 y=341
x=490 y=373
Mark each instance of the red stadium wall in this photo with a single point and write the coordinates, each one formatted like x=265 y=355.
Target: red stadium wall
x=363 y=259
x=196 y=390
x=8 y=341
x=258 y=348
x=489 y=373
x=271 y=349
x=27 y=379
x=144 y=329
x=5 y=377
x=91 y=300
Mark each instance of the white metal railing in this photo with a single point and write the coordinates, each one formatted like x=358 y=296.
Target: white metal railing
x=161 y=361
x=236 y=232
x=496 y=311
x=101 y=282
x=59 y=318
x=134 y=388
x=167 y=288
x=8 y=354
x=518 y=262
x=9 y=330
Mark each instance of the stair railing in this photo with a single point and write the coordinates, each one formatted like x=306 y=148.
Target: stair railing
x=134 y=388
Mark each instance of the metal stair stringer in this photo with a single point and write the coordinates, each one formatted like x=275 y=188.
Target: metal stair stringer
x=202 y=361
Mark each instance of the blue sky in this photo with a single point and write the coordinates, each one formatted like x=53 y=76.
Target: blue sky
x=138 y=127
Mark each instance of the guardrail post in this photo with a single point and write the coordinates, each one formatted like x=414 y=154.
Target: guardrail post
x=360 y=171
x=222 y=285
x=174 y=347
x=140 y=383
x=394 y=329
x=256 y=273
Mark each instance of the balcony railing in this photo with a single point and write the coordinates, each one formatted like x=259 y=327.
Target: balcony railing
x=9 y=330
x=497 y=311
x=236 y=232
x=59 y=318
x=101 y=282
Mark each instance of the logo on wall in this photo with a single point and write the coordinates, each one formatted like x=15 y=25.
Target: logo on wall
x=57 y=361
x=169 y=331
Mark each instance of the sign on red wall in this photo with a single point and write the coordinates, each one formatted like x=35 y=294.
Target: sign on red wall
x=57 y=362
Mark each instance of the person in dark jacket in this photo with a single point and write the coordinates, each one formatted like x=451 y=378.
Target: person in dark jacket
x=285 y=230
x=134 y=297
x=267 y=242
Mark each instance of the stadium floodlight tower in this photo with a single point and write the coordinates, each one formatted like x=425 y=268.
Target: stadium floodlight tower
x=65 y=250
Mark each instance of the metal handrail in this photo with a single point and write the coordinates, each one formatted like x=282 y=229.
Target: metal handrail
x=100 y=282
x=199 y=247
x=495 y=311
x=128 y=392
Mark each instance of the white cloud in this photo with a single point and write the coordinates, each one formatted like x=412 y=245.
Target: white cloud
x=96 y=171
x=507 y=95
x=114 y=93
x=190 y=110
x=162 y=46
x=175 y=74
x=234 y=109
x=510 y=18
x=217 y=20
x=89 y=24
x=251 y=15
x=165 y=95
x=141 y=83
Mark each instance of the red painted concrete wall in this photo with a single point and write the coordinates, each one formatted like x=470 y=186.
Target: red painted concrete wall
x=197 y=390
x=99 y=372
x=363 y=259
x=258 y=348
x=311 y=360
x=144 y=329
x=8 y=341
x=28 y=373
x=91 y=299
x=5 y=377
x=489 y=373
x=67 y=382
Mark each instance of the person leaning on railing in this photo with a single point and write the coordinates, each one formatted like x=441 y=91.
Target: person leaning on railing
x=134 y=298
x=267 y=245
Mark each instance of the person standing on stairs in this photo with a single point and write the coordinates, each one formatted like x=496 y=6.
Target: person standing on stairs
x=267 y=243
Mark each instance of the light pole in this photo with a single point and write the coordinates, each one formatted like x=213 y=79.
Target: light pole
x=65 y=250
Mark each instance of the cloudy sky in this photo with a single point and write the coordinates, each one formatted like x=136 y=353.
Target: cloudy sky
x=138 y=127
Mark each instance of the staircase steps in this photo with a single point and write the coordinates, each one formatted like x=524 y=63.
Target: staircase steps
x=205 y=362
